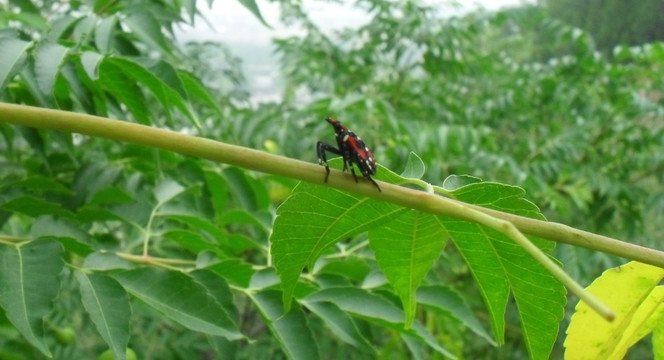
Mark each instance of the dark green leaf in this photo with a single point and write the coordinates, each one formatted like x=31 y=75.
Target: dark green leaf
x=340 y=324
x=180 y=298
x=375 y=309
x=447 y=302
x=290 y=329
x=35 y=207
x=167 y=95
x=219 y=289
x=113 y=79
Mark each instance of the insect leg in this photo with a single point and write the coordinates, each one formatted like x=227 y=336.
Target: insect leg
x=321 y=148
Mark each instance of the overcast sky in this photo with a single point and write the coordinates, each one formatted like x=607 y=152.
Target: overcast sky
x=233 y=23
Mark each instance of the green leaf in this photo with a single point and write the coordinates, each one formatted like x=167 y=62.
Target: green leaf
x=191 y=240
x=414 y=167
x=104 y=33
x=167 y=190
x=218 y=188
x=251 y=6
x=12 y=58
x=377 y=310
x=340 y=324
x=235 y=271
x=108 y=305
x=137 y=74
x=499 y=265
x=290 y=329
x=313 y=219
x=405 y=250
x=35 y=207
x=454 y=182
x=69 y=235
x=241 y=187
x=146 y=27
x=90 y=62
x=218 y=288
x=28 y=284
x=114 y=80
x=48 y=59
x=198 y=92
x=447 y=302
x=106 y=261
x=180 y=298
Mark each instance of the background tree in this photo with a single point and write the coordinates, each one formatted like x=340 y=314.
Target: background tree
x=178 y=257
x=613 y=23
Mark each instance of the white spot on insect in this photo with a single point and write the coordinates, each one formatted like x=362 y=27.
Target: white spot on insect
x=345 y=138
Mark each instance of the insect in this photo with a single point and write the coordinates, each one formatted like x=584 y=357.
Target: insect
x=351 y=148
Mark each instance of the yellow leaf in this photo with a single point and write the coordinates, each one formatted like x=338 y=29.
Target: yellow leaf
x=631 y=291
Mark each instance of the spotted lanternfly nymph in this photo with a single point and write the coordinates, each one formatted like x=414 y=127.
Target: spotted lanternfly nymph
x=351 y=148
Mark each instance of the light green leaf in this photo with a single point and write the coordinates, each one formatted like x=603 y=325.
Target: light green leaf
x=48 y=59
x=167 y=190
x=313 y=219
x=290 y=329
x=405 y=250
x=234 y=270
x=104 y=33
x=454 y=182
x=146 y=27
x=90 y=61
x=108 y=305
x=12 y=58
x=414 y=167
x=180 y=298
x=658 y=341
x=106 y=261
x=28 y=283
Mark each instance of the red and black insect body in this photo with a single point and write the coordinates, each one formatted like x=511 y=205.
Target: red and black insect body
x=351 y=148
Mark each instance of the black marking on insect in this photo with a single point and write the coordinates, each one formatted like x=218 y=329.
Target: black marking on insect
x=351 y=148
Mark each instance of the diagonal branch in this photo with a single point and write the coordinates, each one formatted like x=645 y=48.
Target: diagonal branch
x=279 y=165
